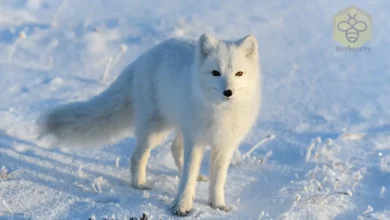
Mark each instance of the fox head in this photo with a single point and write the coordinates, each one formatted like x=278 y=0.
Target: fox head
x=226 y=71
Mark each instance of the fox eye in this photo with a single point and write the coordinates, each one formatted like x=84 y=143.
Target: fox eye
x=215 y=73
x=239 y=73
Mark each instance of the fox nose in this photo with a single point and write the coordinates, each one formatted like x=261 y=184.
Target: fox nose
x=228 y=93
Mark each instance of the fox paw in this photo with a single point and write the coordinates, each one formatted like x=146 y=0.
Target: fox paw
x=141 y=186
x=202 y=178
x=182 y=207
x=224 y=208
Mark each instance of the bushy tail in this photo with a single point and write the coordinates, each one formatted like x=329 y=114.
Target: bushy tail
x=103 y=119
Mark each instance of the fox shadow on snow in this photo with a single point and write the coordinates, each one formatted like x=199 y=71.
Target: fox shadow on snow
x=67 y=176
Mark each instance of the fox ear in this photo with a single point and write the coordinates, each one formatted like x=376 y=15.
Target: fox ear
x=249 y=45
x=207 y=44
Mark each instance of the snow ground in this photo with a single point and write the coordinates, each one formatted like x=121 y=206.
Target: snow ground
x=333 y=105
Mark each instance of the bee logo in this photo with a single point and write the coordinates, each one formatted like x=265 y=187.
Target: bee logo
x=352 y=27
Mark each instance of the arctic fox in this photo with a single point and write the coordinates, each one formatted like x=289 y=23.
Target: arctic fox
x=208 y=90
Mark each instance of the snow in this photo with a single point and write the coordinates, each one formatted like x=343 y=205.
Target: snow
x=327 y=111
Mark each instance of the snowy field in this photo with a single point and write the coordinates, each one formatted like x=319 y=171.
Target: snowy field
x=329 y=111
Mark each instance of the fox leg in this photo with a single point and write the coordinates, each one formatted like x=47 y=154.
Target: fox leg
x=177 y=147
x=220 y=160
x=192 y=159
x=177 y=151
x=147 y=139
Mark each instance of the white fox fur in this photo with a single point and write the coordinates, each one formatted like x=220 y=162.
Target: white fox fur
x=173 y=86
